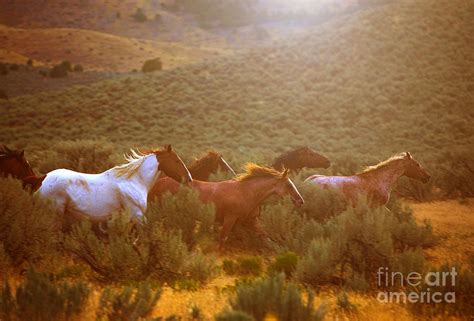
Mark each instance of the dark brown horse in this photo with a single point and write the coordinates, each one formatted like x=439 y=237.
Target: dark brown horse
x=202 y=168
x=237 y=200
x=376 y=182
x=299 y=158
x=13 y=163
x=211 y=163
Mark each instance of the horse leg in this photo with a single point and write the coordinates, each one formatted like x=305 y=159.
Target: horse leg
x=226 y=229
x=254 y=224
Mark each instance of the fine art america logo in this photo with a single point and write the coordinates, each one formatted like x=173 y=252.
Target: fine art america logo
x=426 y=288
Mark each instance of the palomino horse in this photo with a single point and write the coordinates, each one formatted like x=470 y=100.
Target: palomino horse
x=13 y=163
x=299 y=158
x=123 y=187
x=211 y=163
x=376 y=182
x=236 y=200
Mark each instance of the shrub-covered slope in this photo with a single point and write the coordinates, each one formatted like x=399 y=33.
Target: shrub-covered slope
x=393 y=78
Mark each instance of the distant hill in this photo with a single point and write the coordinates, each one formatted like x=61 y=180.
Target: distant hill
x=390 y=79
x=95 y=50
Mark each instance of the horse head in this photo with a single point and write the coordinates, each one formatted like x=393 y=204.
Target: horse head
x=285 y=186
x=300 y=158
x=14 y=163
x=171 y=164
x=414 y=170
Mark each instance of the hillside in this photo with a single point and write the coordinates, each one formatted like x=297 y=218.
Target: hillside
x=95 y=50
x=364 y=86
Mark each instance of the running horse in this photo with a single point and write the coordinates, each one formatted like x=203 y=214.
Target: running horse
x=376 y=182
x=300 y=158
x=211 y=163
x=237 y=200
x=124 y=187
x=13 y=163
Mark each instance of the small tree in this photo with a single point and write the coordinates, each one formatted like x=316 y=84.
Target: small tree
x=78 y=68
x=152 y=65
x=139 y=15
x=3 y=94
x=58 y=71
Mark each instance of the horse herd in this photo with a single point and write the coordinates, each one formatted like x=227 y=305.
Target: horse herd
x=147 y=176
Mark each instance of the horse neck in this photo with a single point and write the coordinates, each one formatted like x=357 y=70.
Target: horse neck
x=384 y=177
x=201 y=173
x=259 y=189
x=148 y=172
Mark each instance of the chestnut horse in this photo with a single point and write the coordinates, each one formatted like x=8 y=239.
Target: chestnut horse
x=376 y=182
x=202 y=168
x=13 y=163
x=237 y=200
x=123 y=187
x=299 y=158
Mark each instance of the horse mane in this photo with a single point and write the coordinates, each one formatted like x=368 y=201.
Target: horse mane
x=384 y=163
x=7 y=152
x=204 y=161
x=253 y=170
x=134 y=160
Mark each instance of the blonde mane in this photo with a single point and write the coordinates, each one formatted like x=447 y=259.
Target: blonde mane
x=385 y=163
x=134 y=161
x=253 y=171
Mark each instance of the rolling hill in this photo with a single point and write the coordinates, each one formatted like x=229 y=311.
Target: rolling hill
x=363 y=86
x=95 y=50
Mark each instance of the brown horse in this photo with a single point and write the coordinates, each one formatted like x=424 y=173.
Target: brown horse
x=202 y=168
x=299 y=158
x=376 y=182
x=237 y=200
x=13 y=163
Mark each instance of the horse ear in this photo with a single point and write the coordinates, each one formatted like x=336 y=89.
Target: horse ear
x=21 y=154
x=408 y=155
x=169 y=149
x=285 y=173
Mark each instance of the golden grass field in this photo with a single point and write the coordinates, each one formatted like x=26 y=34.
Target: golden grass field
x=452 y=221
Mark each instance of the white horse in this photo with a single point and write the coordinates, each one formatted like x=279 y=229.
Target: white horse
x=124 y=187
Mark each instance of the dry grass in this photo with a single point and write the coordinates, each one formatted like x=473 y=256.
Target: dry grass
x=453 y=222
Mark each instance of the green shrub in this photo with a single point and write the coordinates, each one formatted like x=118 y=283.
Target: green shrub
x=3 y=69
x=273 y=295
x=288 y=229
x=130 y=251
x=88 y=156
x=285 y=262
x=78 y=68
x=232 y=315
x=200 y=267
x=28 y=226
x=185 y=212
x=128 y=304
x=58 y=71
x=40 y=299
x=139 y=15
x=152 y=65
x=65 y=64
x=317 y=265
x=344 y=303
x=3 y=94
x=320 y=204
x=247 y=265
